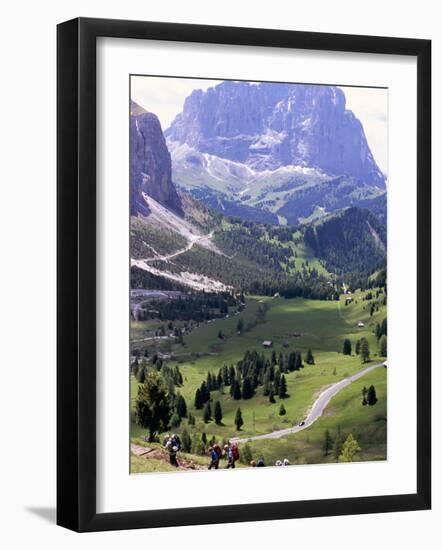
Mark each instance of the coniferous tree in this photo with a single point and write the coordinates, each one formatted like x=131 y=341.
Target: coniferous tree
x=186 y=441
x=207 y=413
x=246 y=455
x=204 y=438
x=328 y=443
x=238 y=419
x=282 y=410
x=309 y=359
x=236 y=394
x=337 y=448
x=282 y=388
x=218 y=412
x=365 y=350
x=271 y=396
x=383 y=346
x=371 y=396
x=247 y=390
x=358 y=347
x=152 y=407
x=198 y=399
x=205 y=392
x=349 y=449
x=298 y=360
x=240 y=325
x=141 y=375
x=346 y=348
x=191 y=419
x=181 y=406
x=364 y=396
x=175 y=420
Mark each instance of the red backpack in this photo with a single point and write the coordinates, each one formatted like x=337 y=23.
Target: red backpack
x=217 y=450
x=235 y=452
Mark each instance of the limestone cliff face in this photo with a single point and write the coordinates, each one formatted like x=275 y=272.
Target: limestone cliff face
x=267 y=126
x=150 y=164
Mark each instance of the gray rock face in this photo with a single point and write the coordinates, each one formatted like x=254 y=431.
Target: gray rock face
x=270 y=125
x=150 y=164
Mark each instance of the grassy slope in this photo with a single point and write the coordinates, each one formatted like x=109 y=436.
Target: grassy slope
x=367 y=424
x=323 y=326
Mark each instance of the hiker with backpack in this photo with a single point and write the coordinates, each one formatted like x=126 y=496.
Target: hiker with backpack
x=214 y=458
x=172 y=448
x=232 y=454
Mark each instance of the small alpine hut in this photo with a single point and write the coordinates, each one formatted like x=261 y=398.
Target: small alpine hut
x=361 y=324
x=267 y=344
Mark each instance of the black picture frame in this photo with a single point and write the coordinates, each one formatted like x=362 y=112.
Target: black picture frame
x=76 y=273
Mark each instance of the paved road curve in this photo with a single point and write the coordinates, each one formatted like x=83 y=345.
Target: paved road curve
x=318 y=407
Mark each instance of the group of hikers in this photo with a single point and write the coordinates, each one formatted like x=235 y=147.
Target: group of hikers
x=230 y=452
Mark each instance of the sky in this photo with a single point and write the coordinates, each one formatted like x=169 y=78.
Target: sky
x=165 y=97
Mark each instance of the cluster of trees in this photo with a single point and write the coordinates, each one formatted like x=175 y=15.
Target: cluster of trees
x=369 y=396
x=381 y=335
x=362 y=348
x=343 y=449
x=158 y=405
x=345 y=242
x=197 y=307
x=250 y=240
x=253 y=370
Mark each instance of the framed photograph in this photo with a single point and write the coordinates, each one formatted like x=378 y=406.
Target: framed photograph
x=238 y=210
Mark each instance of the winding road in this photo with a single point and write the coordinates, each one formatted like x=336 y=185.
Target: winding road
x=317 y=409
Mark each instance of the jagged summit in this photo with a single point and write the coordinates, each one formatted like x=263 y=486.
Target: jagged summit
x=268 y=125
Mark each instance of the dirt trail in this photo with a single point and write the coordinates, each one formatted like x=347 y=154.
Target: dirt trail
x=160 y=454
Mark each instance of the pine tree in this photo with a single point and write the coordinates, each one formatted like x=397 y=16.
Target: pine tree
x=236 y=394
x=328 y=443
x=240 y=326
x=141 y=375
x=207 y=413
x=282 y=410
x=346 y=349
x=218 y=412
x=175 y=421
x=204 y=438
x=247 y=390
x=365 y=350
x=371 y=396
x=358 y=347
x=338 y=443
x=298 y=360
x=364 y=396
x=282 y=388
x=309 y=359
x=191 y=419
x=181 y=406
x=246 y=455
x=152 y=407
x=186 y=441
x=349 y=449
x=238 y=419
x=205 y=392
x=198 y=399
x=383 y=346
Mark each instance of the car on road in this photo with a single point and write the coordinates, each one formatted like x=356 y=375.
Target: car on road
x=302 y=423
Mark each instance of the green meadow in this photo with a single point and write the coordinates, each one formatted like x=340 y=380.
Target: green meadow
x=291 y=324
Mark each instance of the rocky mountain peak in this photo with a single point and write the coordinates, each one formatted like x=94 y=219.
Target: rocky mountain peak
x=269 y=125
x=150 y=164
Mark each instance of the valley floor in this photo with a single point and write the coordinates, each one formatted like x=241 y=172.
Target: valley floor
x=290 y=325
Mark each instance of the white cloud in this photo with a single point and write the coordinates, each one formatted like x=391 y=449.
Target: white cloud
x=165 y=97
